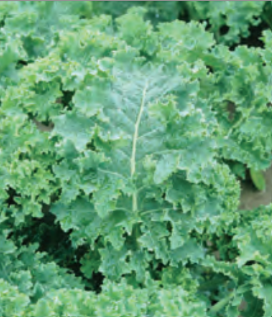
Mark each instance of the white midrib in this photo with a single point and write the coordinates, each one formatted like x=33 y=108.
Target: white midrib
x=134 y=147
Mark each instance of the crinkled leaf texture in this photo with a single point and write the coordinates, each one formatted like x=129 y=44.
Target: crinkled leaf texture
x=114 y=139
x=152 y=162
x=115 y=300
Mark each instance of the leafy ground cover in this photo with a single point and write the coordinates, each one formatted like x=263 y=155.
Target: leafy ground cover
x=125 y=131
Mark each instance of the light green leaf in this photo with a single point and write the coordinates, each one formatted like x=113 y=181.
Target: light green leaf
x=258 y=179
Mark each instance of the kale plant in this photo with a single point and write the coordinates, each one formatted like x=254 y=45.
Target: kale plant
x=122 y=135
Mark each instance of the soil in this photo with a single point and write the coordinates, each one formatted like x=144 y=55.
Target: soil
x=252 y=198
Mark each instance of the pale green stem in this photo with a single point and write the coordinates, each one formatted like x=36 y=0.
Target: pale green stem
x=134 y=146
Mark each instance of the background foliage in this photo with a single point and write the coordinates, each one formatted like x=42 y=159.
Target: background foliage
x=125 y=128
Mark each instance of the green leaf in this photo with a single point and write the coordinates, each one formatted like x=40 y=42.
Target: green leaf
x=258 y=179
